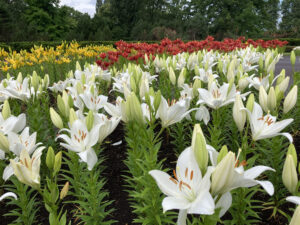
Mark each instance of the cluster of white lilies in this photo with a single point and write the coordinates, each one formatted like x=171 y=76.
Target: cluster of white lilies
x=204 y=177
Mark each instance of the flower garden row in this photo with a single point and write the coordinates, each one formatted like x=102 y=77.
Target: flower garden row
x=222 y=115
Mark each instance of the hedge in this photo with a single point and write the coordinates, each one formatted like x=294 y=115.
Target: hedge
x=17 y=46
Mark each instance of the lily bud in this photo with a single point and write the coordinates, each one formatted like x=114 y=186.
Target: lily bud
x=284 y=84
x=197 y=84
x=290 y=100
x=261 y=63
x=50 y=158
x=72 y=116
x=6 y=110
x=239 y=115
x=133 y=109
x=250 y=102
x=78 y=67
x=289 y=174
x=89 y=120
x=222 y=177
x=272 y=99
x=35 y=81
x=20 y=77
x=292 y=151
x=296 y=217
x=64 y=191
x=243 y=83
x=46 y=81
x=61 y=105
x=144 y=87
x=181 y=78
x=263 y=98
x=57 y=162
x=293 y=58
x=199 y=148
x=223 y=153
x=56 y=119
x=281 y=76
x=157 y=100
x=172 y=76
x=279 y=94
x=132 y=84
x=4 y=144
x=79 y=88
x=196 y=70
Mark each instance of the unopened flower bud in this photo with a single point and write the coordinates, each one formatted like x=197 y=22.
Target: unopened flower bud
x=250 y=102
x=4 y=144
x=239 y=115
x=272 y=99
x=72 y=116
x=172 y=76
x=296 y=217
x=181 y=77
x=199 y=148
x=157 y=100
x=263 y=98
x=284 y=84
x=292 y=151
x=6 y=110
x=89 y=120
x=64 y=191
x=57 y=162
x=293 y=58
x=223 y=153
x=289 y=174
x=222 y=177
x=290 y=100
x=56 y=119
x=20 y=77
x=197 y=84
x=50 y=158
x=34 y=81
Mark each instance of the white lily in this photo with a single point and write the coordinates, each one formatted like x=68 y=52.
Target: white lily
x=229 y=175
x=93 y=102
x=117 y=110
x=106 y=125
x=23 y=141
x=296 y=217
x=18 y=90
x=216 y=97
x=173 y=113
x=27 y=169
x=82 y=141
x=188 y=191
x=256 y=82
x=266 y=126
x=8 y=194
x=12 y=123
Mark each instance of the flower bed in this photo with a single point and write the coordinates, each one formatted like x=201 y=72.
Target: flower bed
x=199 y=137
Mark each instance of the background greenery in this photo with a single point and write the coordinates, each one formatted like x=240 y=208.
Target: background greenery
x=36 y=20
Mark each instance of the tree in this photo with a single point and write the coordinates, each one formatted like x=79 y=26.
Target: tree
x=290 y=23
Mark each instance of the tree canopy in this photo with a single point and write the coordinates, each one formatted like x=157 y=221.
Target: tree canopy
x=31 y=20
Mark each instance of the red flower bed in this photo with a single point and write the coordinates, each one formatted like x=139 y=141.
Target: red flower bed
x=135 y=51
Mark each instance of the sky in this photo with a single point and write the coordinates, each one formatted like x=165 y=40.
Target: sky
x=84 y=6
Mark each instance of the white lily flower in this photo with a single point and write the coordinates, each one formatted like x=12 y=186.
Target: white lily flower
x=216 y=97
x=82 y=141
x=117 y=110
x=296 y=217
x=266 y=126
x=256 y=82
x=23 y=141
x=60 y=86
x=173 y=113
x=204 y=75
x=188 y=191
x=93 y=102
x=27 y=169
x=106 y=125
x=202 y=114
x=8 y=194
x=18 y=90
x=12 y=123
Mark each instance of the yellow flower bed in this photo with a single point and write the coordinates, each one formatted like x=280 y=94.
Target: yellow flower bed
x=63 y=53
